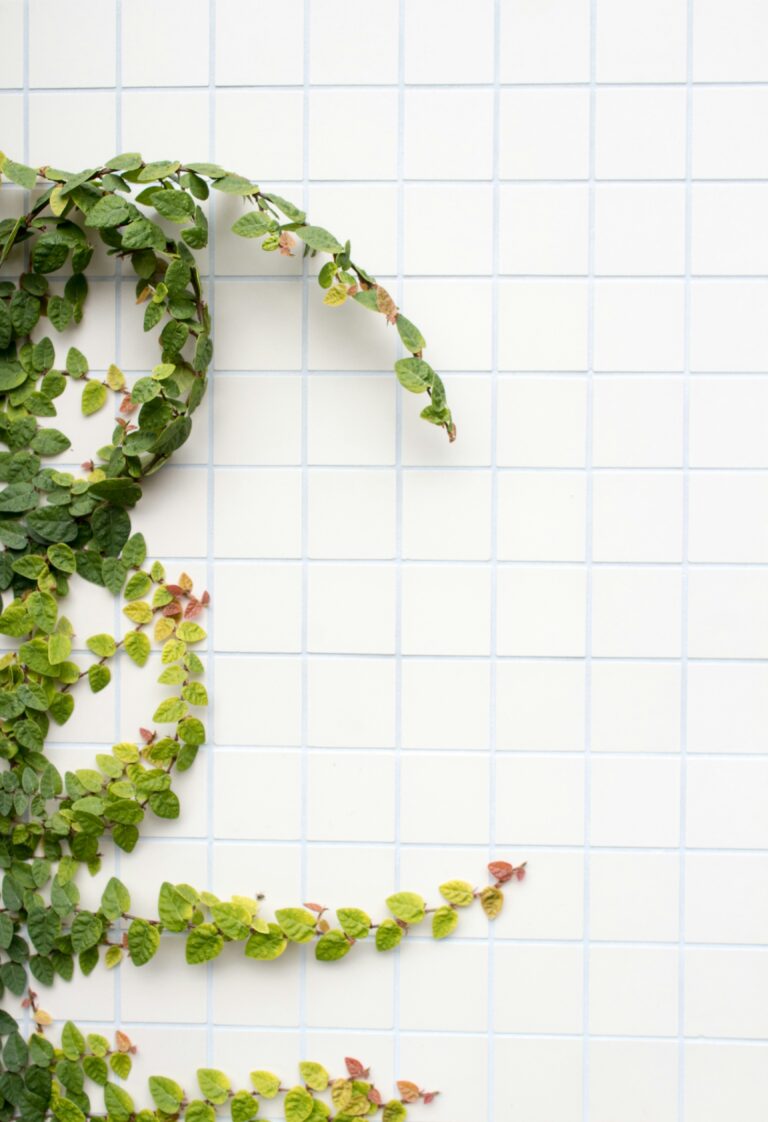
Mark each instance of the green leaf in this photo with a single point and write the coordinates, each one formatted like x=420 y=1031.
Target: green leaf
x=159 y=169
x=198 y=1111
x=314 y=1075
x=414 y=374
x=266 y=1083
x=235 y=185
x=50 y=253
x=388 y=935
x=59 y=649
x=297 y=923
x=288 y=208
x=110 y=210
x=203 y=944
x=407 y=906
x=444 y=922
x=394 y=1111
x=356 y=923
x=86 y=931
x=410 y=334
x=299 y=1105
x=118 y=1102
x=243 y=1107
x=172 y=709
x=319 y=239
x=93 y=398
x=62 y=557
x=214 y=1085
x=254 y=224
x=332 y=946
x=492 y=901
x=103 y=645
x=115 y=899
x=143 y=941
x=119 y=491
x=176 y=206
x=137 y=647
x=190 y=632
x=60 y=312
x=459 y=892
x=267 y=945
x=77 y=363
x=175 y=910
x=19 y=173
x=72 y=1041
x=167 y=1094
x=66 y=1111
x=99 y=677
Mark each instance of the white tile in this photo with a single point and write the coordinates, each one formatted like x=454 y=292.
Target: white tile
x=633 y=991
x=348 y=338
x=334 y=1006
x=459 y=815
x=544 y=43
x=635 y=707
x=541 y=516
x=721 y=905
x=351 y=420
x=635 y=802
x=727 y=707
x=425 y=445
x=429 y=211
x=257 y=420
x=634 y=896
x=640 y=133
x=528 y=310
x=351 y=797
x=347 y=46
x=430 y=1057
x=539 y=801
x=639 y=229
x=446 y=516
x=12 y=33
x=725 y=804
x=50 y=24
x=542 y=422
x=727 y=44
x=726 y=993
x=729 y=133
x=257 y=795
x=637 y=422
x=729 y=421
x=361 y=689
x=645 y=43
x=353 y=135
x=270 y=686
x=636 y=613
x=543 y=229
x=541 y=611
x=147 y=61
x=728 y=613
x=455 y=341
x=426 y=1002
x=258 y=133
x=351 y=514
x=73 y=148
x=539 y=1079
x=446 y=610
x=551 y=905
x=623 y=309
x=258 y=607
x=448 y=134
x=459 y=49
x=721 y=1077
x=719 y=530
x=547 y=984
x=544 y=134
x=144 y=127
x=637 y=516
x=272 y=527
x=247 y=316
x=351 y=609
x=729 y=228
x=180 y=489
x=725 y=327
x=245 y=56
x=641 y=1075
x=461 y=720
x=366 y=214
x=526 y=719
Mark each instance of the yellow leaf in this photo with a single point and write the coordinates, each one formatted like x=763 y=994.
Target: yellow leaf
x=335 y=295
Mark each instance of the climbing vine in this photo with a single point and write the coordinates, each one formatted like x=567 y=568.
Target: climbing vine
x=57 y=526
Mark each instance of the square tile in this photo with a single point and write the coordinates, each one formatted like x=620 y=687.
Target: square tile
x=727 y=707
x=271 y=687
x=456 y=342
x=726 y=44
x=146 y=58
x=544 y=229
x=539 y=1079
x=641 y=44
x=258 y=607
x=347 y=46
x=273 y=528
x=245 y=56
x=729 y=417
x=541 y=611
x=725 y=801
x=465 y=534
x=364 y=691
x=637 y=422
x=542 y=422
x=463 y=721
x=460 y=50
x=541 y=516
x=733 y=912
x=542 y=43
x=246 y=335
x=636 y=613
x=641 y=1075
x=257 y=795
x=448 y=134
x=640 y=133
x=635 y=802
x=257 y=419
x=459 y=816
x=718 y=529
x=726 y=993
x=635 y=707
x=351 y=514
x=547 y=983
x=623 y=310
x=271 y=146
x=544 y=134
x=734 y=342
x=446 y=610
x=633 y=991
x=639 y=229
x=721 y=1077
x=526 y=719
x=729 y=132
x=729 y=233
x=351 y=421
x=728 y=613
x=351 y=609
x=527 y=310
x=426 y=1002
x=539 y=800
x=637 y=516
x=353 y=135
x=431 y=209
x=634 y=896
x=50 y=25
x=350 y=797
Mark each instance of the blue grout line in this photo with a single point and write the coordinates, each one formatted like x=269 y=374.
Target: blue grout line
x=118 y=664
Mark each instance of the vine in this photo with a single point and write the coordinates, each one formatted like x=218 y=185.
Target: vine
x=56 y=525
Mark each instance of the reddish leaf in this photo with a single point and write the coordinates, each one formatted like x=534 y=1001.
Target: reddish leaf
x=430 y=1096
x=175 y=589
x=285 y=242
x=147 y=735
x=172 y=609
x=315 y=908
x=193 y=609
x=409 y=1092
x=501 y=871
x=356 y=1069
x=374 y=1097
x=520 y=872
x=124 y=1043
x=205 y=598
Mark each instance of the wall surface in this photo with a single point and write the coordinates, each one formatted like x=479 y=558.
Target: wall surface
x=545 y=642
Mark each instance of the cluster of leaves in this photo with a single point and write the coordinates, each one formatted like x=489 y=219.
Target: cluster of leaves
x=39 y=1081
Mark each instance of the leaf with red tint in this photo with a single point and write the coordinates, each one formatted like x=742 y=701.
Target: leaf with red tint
x=172 y=609
x=430 y=1096
x=356 y=1069
x=501 y=871
x=147 y=735
x=409 y=1092
x=193 y=609
x=315 y=908
x=520 y=872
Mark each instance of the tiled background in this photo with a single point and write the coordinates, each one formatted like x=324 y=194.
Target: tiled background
x=547 y=641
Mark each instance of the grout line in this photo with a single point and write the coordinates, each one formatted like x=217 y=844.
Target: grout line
x=589 y=454
x=393 y=87
x=684 y=601
x=118 y=617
